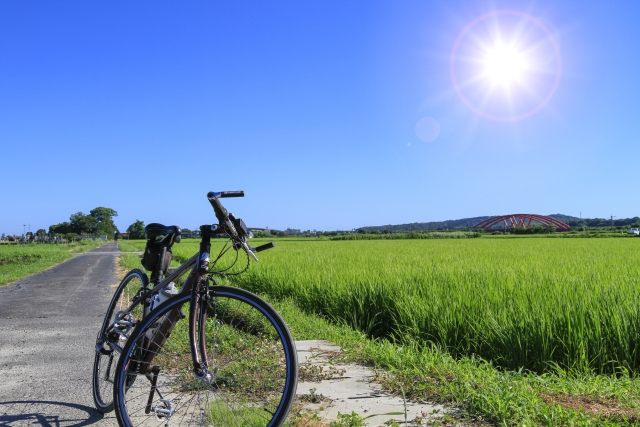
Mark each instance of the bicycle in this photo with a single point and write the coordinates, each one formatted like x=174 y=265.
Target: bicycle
x=233 y=363
x=131 y=301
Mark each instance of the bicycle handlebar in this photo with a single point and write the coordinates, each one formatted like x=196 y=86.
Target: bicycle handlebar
x=221 y=213
x=224 y=194
x=223 y=217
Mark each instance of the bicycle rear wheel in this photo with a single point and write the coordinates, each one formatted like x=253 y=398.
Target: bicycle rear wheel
x=252 y=364
x=110 y=340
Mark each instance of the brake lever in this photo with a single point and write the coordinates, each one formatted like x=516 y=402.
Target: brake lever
x=249 y=250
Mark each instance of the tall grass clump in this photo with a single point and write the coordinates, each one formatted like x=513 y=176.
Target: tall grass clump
x=532 y=304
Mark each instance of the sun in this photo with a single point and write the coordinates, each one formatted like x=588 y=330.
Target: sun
x=504 y=65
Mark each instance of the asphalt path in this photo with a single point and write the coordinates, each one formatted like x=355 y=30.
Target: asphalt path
x=48 y=325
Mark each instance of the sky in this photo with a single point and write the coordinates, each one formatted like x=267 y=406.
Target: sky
x=328 y=114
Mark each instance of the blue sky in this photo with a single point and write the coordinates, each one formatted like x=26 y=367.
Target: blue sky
x=311 y=108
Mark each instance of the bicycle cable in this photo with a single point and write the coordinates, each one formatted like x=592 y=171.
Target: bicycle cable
x=224 y=272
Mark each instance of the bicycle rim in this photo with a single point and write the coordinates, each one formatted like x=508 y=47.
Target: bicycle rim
x=251 y=359
x=106 y=360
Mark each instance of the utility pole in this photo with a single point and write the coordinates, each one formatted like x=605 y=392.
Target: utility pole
x=612 y=220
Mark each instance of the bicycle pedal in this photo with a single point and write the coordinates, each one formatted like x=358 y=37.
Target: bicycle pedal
x=163 y=410
x=181 y=315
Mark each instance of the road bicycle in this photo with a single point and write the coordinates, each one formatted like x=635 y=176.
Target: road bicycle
x=132 y=300
x=209 y=355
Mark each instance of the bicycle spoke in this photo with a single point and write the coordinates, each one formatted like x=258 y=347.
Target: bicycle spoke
x=110 y=339
x=250 y=383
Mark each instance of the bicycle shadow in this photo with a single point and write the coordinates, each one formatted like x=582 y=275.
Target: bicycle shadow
x=47 y=414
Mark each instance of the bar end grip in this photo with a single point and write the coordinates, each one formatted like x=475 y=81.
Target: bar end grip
x=265 y=247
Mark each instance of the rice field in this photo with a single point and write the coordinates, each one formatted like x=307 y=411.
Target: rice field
x=520 y=303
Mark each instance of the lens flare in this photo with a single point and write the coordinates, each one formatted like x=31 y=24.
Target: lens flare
x=505 y=65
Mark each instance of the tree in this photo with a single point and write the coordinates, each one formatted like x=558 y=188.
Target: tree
x=103 y=214
x=81 y=223
x=136 y=230
x=104 y=217
x=62 y=228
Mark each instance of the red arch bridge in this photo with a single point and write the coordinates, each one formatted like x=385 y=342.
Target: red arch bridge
x=521 y=220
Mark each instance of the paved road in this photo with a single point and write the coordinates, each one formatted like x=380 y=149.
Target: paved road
x=48 y=324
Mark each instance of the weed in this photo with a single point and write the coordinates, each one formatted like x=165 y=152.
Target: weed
x=348 y=420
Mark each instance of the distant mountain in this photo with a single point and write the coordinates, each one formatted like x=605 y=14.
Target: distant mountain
x=564 y=218
x=432 y=225
x=453 y=224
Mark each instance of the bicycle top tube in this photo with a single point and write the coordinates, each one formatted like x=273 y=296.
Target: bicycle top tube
x=178 y=272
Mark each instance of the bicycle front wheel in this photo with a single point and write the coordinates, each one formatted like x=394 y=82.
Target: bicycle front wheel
x=252 y=366
x=110 y=340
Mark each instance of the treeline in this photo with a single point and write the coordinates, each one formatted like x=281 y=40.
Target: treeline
x=306 y=233
x=98 y=222
x=409 y=235
x=464 y=223
x=604 y=222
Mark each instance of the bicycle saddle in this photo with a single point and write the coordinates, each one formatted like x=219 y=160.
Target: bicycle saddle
x=154 y=229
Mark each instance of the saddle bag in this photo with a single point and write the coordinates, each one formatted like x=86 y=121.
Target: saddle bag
x=152 y=258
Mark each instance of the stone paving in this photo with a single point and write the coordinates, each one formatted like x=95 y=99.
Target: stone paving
x=331 y=388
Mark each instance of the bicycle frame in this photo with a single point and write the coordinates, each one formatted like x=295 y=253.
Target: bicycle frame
x=145 y=296
x=199 y=264
x=194 y=283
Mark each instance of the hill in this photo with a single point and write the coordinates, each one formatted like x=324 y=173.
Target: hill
x=453 y=224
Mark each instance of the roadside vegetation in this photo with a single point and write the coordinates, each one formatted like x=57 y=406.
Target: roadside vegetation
x=18 y=261
x=512 y=331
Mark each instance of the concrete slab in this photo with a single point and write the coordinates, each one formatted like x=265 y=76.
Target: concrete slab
x=329 y=388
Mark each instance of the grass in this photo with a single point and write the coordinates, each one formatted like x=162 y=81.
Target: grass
x=522 y=303
x=514 y=331
x=130 y=245
x=480 y=390
x=18 y=261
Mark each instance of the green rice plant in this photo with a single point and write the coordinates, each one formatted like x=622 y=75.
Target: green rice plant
x=520 y=303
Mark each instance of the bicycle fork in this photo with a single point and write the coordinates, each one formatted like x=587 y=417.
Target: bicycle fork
x=198 y=314
x=197 y=322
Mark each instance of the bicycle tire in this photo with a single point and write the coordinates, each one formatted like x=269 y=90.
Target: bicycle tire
x=106 y=357
x=251 y=355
